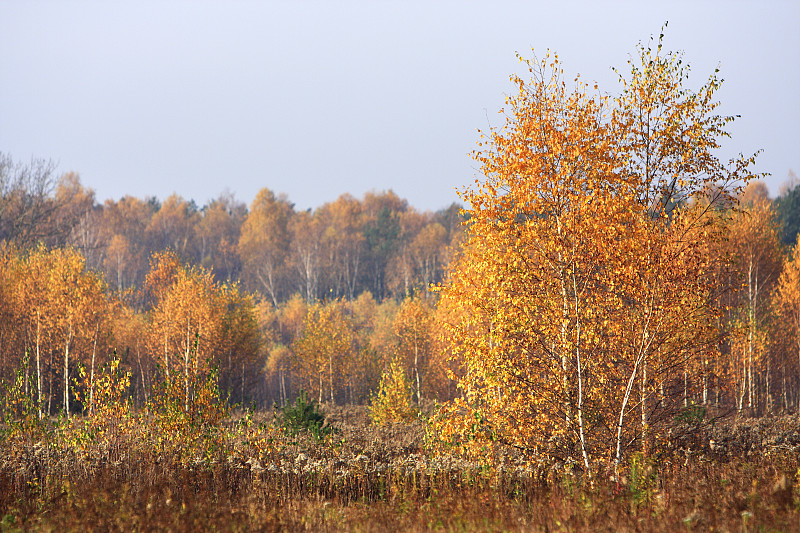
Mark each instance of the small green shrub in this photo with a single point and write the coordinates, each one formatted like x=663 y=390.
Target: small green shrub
x=693 y=415
x=303 y=416
x=642 y=478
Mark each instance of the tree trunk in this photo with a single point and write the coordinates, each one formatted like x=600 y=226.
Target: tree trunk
x=283 y=387
x=186 y=369
x=141 y=373
x=644 y=406
x=50 y=372
x=91 y=375
x=166 y=355
x=416 y=367
x=330 y=375
x=38 y=365
x=579 y=366
x=768 y=395
x=705 y=381
x=785 y=399
x=66 y=371
x=685 y=386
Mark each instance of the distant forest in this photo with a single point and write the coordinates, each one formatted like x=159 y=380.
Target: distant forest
x=378 y=243
x=280 y=260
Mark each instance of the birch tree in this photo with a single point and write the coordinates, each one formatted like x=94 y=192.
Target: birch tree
x=583 y=281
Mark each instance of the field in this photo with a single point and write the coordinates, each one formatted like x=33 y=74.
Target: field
x=246 y=473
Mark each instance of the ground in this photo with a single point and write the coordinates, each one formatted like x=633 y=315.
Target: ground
x=728 y=474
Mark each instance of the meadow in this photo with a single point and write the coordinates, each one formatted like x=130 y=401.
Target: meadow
x=157 y=470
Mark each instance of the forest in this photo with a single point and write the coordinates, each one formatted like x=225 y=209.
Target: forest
x=82 y=281
x=611 y=302
x=142 y=277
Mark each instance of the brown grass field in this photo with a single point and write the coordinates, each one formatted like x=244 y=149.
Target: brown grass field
x=252 y=477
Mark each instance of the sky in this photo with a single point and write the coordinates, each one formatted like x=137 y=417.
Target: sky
x=319 y=98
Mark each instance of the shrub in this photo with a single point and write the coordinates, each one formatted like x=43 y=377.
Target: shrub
x=303 y=416
x=392 y=403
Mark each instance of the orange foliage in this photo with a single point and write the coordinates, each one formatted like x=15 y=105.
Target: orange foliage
x=584 y=282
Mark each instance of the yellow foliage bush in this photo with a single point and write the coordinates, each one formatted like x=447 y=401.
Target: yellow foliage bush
x=392 y=403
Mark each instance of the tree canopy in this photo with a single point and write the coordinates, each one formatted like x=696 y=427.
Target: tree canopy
x=585 y=281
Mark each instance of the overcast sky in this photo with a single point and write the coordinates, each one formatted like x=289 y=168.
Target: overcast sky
x=316 y=99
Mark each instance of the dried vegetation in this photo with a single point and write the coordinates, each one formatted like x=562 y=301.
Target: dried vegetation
x=246 y=473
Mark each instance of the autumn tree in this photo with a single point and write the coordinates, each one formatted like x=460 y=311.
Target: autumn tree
x=429 y=250
x=37 y=205
x=306 y=231
x=240 y=347
x=382 y=337
x=786 y=301
x=74 y=204
x=173 y=225
x=125 y=246
x=120 y=262
x=400 y=274
x=367 y=361
x=130 y=342
x=392 y=401
x=583 y=280
x=196 y=324
x=66 y=312
x=322 y=350
x=32 y=294
x=414 y=328
x=190 y=320
x=753 y=242
x=264 y=243
x=217 y=234
x=281 y=327
x=343 y=243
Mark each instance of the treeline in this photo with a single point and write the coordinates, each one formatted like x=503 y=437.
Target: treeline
x=261 y=294
x=278 y=300
x=378 y=244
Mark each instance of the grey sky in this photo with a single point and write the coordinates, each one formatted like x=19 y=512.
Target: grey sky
x=316 y=99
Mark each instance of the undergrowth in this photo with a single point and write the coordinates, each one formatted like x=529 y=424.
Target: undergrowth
x=186 y=462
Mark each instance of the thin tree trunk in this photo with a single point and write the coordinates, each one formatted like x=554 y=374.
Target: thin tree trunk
x=330 y=375
x=768 y=379
x=685 y=386
x=785 y=399
x=26 y=364
x=91 y=375
x=186 y=367
x=416 y=367
x=166 y=355
x=229 y=377
x=141 y=372
x=580 y=377
x=282 y=387
x=644 y=406
x=66 y=371
x=38 y=365
x=705 y=382
x=50 y=372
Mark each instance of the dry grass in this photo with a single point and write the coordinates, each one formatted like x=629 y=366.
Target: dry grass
x=381 y=479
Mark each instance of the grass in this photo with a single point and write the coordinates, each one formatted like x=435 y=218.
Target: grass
x=249 y=476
